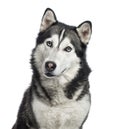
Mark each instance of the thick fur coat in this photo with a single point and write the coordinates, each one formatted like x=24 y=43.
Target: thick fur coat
x=58 y=97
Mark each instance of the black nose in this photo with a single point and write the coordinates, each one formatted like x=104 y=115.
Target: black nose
x=50 y=66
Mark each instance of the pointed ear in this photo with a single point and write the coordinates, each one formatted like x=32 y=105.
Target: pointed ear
x=84 y=31
x=48 y=19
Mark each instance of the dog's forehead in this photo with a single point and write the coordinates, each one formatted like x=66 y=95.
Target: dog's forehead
x=66 y=32
x=63 y=31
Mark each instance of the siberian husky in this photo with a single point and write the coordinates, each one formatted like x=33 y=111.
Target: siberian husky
x=59 y=96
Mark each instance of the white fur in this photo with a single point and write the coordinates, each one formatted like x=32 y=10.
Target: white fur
x=68 y=115
x=60 y=113
x=67 y=62
x=62 y=33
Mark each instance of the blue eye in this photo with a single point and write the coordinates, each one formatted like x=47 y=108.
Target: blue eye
x=49 y=43
x=68 y=49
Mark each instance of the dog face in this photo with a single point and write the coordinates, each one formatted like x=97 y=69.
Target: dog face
x=60 y=48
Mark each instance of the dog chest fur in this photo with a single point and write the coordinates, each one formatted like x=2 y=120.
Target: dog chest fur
x=68 y=115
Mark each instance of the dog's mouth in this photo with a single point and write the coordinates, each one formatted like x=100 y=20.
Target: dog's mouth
x=51 y=74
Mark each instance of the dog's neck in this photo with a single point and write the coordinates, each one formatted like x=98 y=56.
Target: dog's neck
x=51 y=90
x=55 y=93
x=55 y=90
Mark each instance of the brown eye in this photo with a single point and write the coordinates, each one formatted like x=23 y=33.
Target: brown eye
x=68 y=49
x=49 y=43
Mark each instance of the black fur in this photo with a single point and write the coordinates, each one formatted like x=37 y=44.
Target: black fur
x=25 y=118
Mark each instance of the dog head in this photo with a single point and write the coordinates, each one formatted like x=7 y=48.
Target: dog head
x=60 y=48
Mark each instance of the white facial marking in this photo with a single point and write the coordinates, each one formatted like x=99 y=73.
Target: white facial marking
x=67 y=63
x=54 y=39
x=62 y=33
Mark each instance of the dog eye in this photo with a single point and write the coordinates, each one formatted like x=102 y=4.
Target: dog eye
x=68 y=49
x=49 y=43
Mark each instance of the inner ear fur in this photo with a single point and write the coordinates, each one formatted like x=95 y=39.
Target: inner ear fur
x=84 y=31
x=48 y=19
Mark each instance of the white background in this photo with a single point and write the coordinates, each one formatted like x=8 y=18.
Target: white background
x=19 y=26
